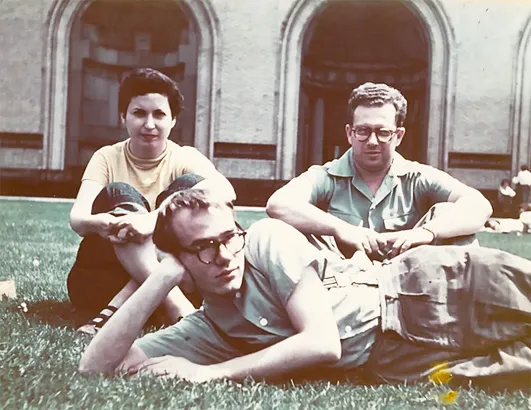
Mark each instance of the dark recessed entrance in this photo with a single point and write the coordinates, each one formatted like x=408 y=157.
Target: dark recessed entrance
x=107 y=40
x=346 y=44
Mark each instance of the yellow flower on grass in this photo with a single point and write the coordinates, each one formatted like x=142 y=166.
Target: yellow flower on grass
x=449 y=397
x=441 y=374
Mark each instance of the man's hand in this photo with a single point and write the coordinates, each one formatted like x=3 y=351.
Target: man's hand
x=399 y=242
x=363 y=239
x=170 y=268
x=179 y=367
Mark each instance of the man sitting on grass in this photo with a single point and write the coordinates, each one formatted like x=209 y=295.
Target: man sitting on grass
x=274 y=306
x=374 y=200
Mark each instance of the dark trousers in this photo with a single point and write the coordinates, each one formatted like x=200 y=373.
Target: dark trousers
x=97 y=275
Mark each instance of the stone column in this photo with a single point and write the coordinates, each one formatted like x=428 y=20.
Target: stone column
x=317 y=137
x=303 y=132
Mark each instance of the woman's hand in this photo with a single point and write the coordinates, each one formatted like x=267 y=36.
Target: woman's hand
x=104 y=225
x=132 y=228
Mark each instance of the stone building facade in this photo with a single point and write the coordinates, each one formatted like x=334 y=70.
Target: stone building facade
x=266 y=81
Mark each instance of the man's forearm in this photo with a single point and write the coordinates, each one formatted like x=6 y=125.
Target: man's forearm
x=467 y=216
x=113 y=341
x=307 y=218
x=294 y=353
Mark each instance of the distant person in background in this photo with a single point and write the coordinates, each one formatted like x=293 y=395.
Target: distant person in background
x=116 y=207
x=525 y=218
x=522 y=182
x=374 y=200
x=505 y=199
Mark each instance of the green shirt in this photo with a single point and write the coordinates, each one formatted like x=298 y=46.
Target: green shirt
x=407 y=192
x=255 y=317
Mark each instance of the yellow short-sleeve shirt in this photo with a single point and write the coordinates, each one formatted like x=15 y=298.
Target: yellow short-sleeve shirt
x=116 y=163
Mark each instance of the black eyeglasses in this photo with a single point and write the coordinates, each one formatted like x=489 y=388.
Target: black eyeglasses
x=208 y=251
x=363 y=133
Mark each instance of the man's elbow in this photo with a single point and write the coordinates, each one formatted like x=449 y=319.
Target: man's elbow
x=332 y=354
x=276 y=206
x=482 y=206
x=488 y=208
x=88 y=367
x=328 y=349
x=475 y=205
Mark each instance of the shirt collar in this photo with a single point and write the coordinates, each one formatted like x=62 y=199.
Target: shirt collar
x=399 y=167
x=344 y=166
x=143 y=163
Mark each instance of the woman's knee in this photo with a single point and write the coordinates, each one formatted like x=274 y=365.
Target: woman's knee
x=120 y=198
x=185 y=181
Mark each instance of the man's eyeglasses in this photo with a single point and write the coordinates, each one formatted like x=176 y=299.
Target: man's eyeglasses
x=208 y=251
x=363 y=133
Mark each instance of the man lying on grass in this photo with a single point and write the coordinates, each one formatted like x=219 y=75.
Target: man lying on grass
x=273 y=305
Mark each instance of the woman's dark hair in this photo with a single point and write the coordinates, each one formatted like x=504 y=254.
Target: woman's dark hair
x=142 y=81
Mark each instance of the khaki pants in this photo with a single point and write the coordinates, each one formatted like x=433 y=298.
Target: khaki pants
x=466 y=306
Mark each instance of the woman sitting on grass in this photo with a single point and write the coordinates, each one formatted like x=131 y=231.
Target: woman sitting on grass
x=116 y=206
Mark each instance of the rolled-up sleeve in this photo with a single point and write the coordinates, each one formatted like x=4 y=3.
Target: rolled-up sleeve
x=194 y=338
x=97 y=169
x=315 y=185
x=434 y=186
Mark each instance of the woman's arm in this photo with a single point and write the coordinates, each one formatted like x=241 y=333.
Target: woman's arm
x=81 y=219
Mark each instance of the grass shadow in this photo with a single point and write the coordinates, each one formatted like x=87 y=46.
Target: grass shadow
x=63 y=314
x=54 y=313
x=509 y=383
x=355 y=377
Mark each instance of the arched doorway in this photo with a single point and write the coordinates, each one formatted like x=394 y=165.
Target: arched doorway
x=346 y=44
x=521 y=118
x=60 y=29
x=107 y=40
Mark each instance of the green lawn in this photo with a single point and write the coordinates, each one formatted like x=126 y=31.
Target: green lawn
x=39 y=349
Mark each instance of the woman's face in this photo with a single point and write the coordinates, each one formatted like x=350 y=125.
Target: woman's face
x=148 y=121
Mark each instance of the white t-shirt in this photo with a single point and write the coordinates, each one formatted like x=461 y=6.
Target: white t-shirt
x=523 y=178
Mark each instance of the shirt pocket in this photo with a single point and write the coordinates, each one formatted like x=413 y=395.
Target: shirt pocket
x=347 y=217
x=401 y=222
